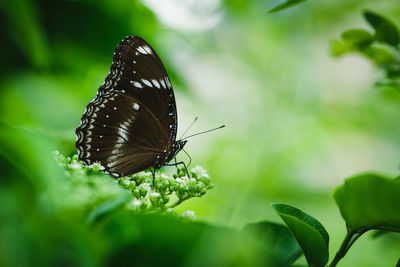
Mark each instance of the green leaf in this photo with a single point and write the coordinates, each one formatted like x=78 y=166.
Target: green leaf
x=339 y=48
x=277 y=238
x=310 y=233
x=352 y=40
x=108 y=206
x=385 y=30
x=284 y=5
x=369 y=201
x=157 y=240
x=380 y=55
x=357 y=37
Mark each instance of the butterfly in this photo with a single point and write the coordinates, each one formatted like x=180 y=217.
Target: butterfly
x=131 y=124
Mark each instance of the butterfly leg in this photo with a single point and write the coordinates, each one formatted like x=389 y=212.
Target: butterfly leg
x=177 y=163
x=153 y=172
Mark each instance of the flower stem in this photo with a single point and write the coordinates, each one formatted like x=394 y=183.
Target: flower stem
x=348 y=241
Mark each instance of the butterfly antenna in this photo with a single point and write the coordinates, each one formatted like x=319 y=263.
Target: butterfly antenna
x=190 y=159
x=222 y=126
x=190 y=126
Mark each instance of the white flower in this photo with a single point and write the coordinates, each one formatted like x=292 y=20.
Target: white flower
x=146 y=186
x=189 y=214
x=98 y=166
x=155 y=194
x=75 y=166
x=199 y=172
x=136 y=203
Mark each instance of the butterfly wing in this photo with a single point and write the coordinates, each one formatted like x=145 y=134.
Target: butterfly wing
x=132 y=119
x=138 y=71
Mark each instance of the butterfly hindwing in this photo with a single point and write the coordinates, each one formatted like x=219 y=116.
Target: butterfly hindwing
x=120 y=133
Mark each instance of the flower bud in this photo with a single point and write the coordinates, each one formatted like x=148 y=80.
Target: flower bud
x=155 y=199
x=189 y=215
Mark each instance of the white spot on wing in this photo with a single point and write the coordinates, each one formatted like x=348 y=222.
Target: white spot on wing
x=148 y=50
x=168 y=82
x=136 y=106
x=141 y=50
x=147 y=82
x=122 y=134
x=156 y=83
x=122 y=131
x=163 y=84
x=137 y=84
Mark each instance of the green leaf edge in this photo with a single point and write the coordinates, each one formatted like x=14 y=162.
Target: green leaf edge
x=107 y=206
x=249 y=229
x=284 y=5
x=311 y=221
x=370 y=17
x=348 y=34
x=372 y=227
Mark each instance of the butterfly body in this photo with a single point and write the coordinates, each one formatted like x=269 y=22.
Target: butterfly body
x=131 y=124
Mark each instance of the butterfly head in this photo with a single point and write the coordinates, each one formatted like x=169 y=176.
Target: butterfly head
x=178 y=145
x=168 y=154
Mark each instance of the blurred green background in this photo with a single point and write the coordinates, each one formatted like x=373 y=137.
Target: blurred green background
x=298 y=120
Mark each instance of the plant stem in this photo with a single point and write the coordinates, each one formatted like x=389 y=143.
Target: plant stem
x=348 y=241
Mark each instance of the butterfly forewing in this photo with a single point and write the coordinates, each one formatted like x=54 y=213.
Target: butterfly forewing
x=133 y=118
x=138 y=71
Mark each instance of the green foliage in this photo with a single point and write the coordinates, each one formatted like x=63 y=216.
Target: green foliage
x=89 y=221
x=284 y=5
x=283 y=246
x=357 y=37
x=86 y=190
x=381 y=47
x=385 y=30
x=137 y=239
x=366 y=202
x=170 y=190
x=296 y=126
x=369 y=201
x=310 y=233
x=166 y=187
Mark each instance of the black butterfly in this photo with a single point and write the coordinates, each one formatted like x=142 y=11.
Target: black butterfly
x=131 y=124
